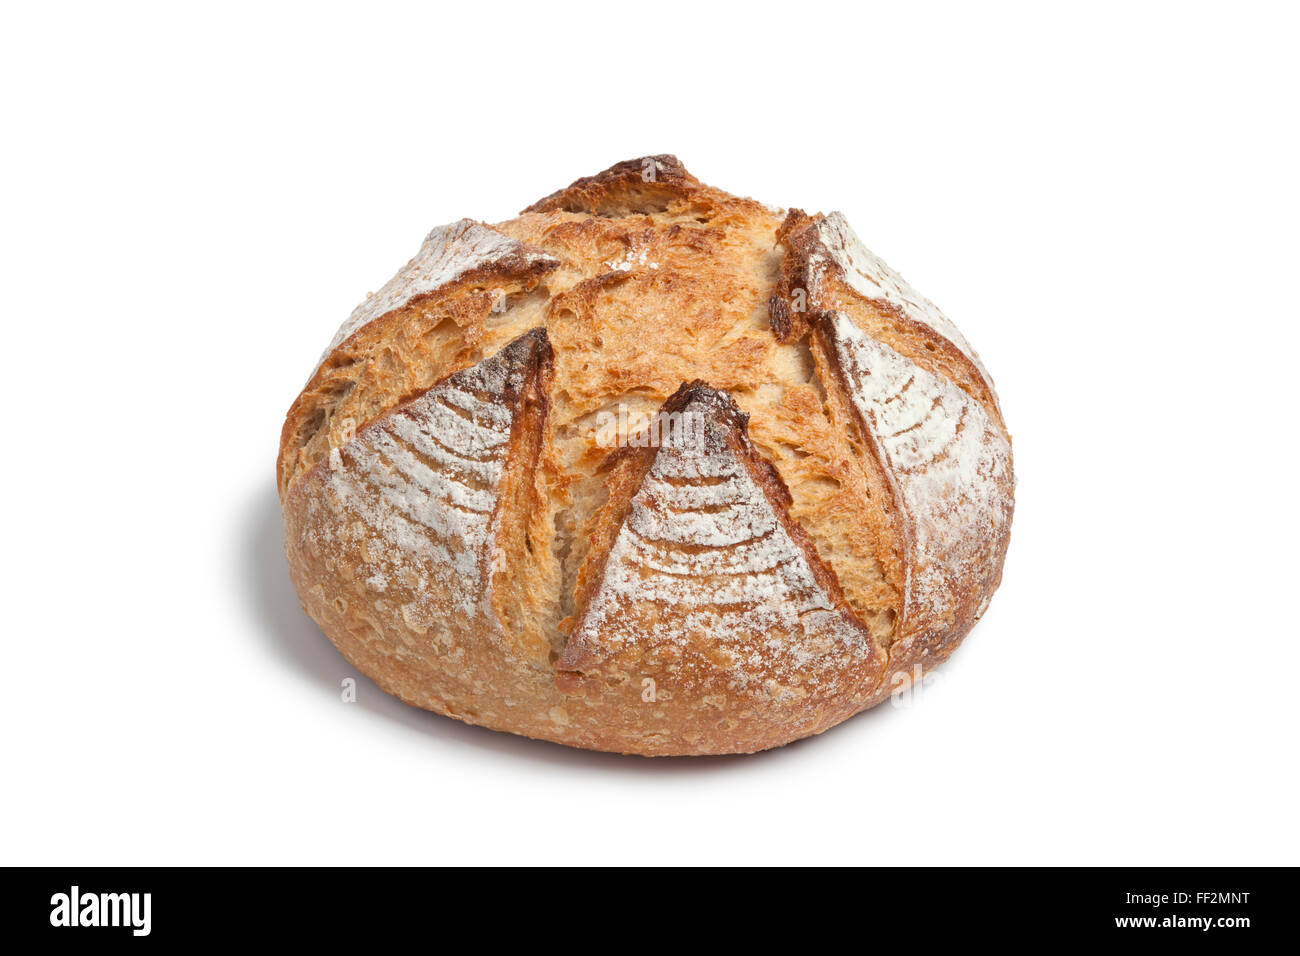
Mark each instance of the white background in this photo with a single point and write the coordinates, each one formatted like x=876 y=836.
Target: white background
x=1105 y=201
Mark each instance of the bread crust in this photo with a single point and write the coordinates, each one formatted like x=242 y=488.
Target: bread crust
x=834 y=524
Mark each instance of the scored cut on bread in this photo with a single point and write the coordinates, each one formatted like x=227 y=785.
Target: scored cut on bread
x=829 y=521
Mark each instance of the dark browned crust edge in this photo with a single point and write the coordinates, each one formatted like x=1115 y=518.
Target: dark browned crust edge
x=789 y=318
x=634 y=186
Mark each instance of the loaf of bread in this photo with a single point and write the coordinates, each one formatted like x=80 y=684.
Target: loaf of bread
x=650 y=468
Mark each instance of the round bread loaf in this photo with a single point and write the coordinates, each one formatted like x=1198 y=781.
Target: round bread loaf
x=650 y=468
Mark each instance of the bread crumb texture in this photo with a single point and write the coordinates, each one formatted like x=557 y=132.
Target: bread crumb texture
x=650 y=468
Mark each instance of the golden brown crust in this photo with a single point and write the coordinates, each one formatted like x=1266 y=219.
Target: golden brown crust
x=459 y=524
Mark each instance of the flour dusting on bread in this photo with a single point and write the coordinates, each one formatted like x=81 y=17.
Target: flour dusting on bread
x=951 y=463
x=704 y=565
x=424 y=479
